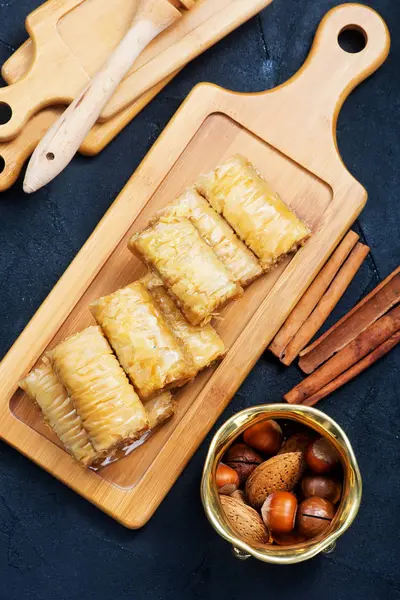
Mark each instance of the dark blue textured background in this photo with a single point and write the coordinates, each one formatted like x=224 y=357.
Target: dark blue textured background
x=53 y=544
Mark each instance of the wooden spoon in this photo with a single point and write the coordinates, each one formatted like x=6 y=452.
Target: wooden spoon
x=63 y=139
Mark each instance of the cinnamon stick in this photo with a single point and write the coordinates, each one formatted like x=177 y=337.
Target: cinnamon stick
x=355 y=370
x=363 y=344
x=384 y=297
x=327 y=303
x=313 y=295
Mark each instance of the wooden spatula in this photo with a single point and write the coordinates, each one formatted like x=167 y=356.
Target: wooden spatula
x=62 y=141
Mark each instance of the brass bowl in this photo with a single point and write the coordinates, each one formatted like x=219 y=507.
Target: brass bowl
x=352 y=484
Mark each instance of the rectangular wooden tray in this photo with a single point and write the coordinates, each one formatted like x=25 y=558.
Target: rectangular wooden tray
x=289 y=134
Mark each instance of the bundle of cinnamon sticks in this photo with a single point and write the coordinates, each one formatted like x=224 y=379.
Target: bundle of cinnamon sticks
x=359 y=339
x=320 y=299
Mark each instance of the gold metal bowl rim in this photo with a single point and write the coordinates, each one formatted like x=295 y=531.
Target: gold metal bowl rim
x=312 y=417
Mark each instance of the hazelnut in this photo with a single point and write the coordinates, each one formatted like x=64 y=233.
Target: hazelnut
x=288 y=539
x=242 y=459
x=279 y=512
x=266 y=437
x=322 y=486
x=314 y=516
x=227 y=479
x=321 y=456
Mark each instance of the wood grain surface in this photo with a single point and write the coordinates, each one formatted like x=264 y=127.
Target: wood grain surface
x=73 y=38
x=64 y=138
x=16 y=151
x=289 y=134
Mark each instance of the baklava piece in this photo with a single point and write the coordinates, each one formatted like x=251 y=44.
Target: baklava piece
x=257 y=214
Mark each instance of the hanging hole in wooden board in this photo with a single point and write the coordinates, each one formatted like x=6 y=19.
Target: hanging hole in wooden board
x=2 y=164
x=50 y=156
x=352 y=39
x=5 y=113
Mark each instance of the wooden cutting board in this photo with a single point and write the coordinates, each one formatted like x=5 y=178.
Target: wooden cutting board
x=73 y=38
x=15 y=152
x=289 y=134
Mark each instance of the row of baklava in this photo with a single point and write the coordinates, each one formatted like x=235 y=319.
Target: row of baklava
x=105 y=387
x=223 y=233
x=202 y=250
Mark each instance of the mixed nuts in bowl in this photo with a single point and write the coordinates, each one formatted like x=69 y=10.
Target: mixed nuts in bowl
x=281 y=483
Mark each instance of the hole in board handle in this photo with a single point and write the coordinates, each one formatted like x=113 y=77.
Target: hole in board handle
x=2 y=164
x=352 y=39
x=5 y=113
x=50 y=156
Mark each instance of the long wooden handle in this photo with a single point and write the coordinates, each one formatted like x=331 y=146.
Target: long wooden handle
x=42 y=84
x=315 y=94
x=330 y=73
x=64 y=138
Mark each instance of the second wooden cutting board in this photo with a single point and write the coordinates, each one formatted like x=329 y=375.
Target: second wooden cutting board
x=15 y=152
x=289 y=135
x=79 y=35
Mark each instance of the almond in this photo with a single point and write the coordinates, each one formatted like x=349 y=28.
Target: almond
x=279 y=473
x=245 y=521
x=296 y=443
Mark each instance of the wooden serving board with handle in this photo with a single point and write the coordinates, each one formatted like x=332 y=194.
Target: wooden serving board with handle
x=289 y=134
x=73 y=38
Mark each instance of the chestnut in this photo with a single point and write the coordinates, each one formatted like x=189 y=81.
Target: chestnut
x=321 y=456
x=314 y=516
x=322 y=486
x=296 y=443
x=227 y=479
x=242 y=459
x=266 y=437
x=279 y=512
